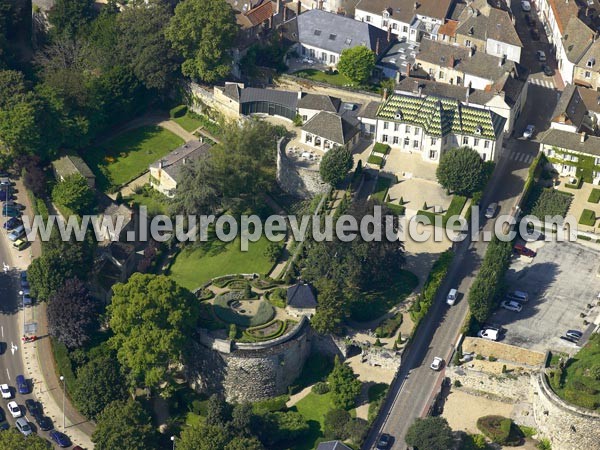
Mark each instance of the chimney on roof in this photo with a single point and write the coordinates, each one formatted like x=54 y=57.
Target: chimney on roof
x=389 y=35
x=285 y=10
x=408 y=67
x=583 y=137
x=471 y=51
x=468 y=94
x=501 y=61
x=300 y=93
x=417 y=5
x=299 y=8
x=420 y=90
x=377 y=45
x=385 y=94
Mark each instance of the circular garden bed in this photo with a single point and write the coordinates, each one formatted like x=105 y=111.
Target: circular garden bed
x=231 y=307
x=268 y=331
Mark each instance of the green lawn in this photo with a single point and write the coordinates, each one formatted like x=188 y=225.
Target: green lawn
x=323 y=77
x=381 y=189
x=128 y=155
x=189 y=122
x=151 y=199
x=594 y=196
x=588 y=217
x=197 y=265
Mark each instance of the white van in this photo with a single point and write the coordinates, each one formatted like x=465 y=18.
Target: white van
x=518 y=296
x=451 y=298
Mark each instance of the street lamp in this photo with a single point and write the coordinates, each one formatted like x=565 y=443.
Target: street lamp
x=64 y=389
x=173 y=440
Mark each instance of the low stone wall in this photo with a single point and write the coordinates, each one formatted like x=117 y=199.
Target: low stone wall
x=503 y=352
x=568 y=427
x=298 y=181
x=382 y=357
x=509 y=388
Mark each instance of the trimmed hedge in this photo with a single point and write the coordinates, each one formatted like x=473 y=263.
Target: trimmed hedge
x=380 y=148
x=500 y=430
x=178 y=111
x=249 y=336
x=436 y=277
x=376 y=160
x=588 y=217
x=576 y=185
x=594 y=196
x=223 y=311
x=397 y=210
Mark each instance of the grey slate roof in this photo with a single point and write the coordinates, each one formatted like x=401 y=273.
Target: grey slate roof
x=369 y=110
x=404 y=10
x=320 y=102
x=576 y=39
x=501 y=28
x=336 y=33
x=332 y=445
x=232 y=90
x=332 y=127
x=301 y=296
x=571 y=141
x=285 y=98
x=174 y=161
x=72 y=164
x=573 y=106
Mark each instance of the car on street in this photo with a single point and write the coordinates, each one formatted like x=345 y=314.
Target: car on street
x=525 y=6
x=62 y=440
x=511 y=305
x=33 y=407
x=490 y=211
x=520 y=249
x=13 y=204
x=45 y=423
x=5 y=390
x=535 y=34
x=437 y=363
x=489 y=333
x=27 y=300
x=451 y=297
x=5 y=182
x=14 y=409
x=12 y=223
x=384 y=441
x=23 y=426
x=575 y=334
x=547 y=70
x=22 y=385
x=529 y=131
x=541 y=56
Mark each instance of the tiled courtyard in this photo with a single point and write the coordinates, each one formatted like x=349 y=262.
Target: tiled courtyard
x=580 y=202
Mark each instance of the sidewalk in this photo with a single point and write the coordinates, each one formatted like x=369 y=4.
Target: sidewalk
x=38 y=358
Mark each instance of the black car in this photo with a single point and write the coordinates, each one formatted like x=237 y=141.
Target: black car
x=2 y=415
x=384 y=441
x=528 y=19
x=33 y=407
x=12 y=223
x=547 y=70
x=535 y=35
x=45 y=423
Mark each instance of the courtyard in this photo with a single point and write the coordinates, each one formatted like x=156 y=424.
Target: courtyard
x=584 y=199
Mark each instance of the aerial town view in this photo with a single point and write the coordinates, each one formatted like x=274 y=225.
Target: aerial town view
x=300 y=224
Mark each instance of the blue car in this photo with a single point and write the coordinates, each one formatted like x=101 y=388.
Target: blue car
x=12 y=223
x=61 y=439
x=22 y=385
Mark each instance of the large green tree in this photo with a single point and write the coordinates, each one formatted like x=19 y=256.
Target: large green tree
x=431 y=433
x=124 y=424
x=204 y=437
x=357 y=63
x=74 y=193
x=69 y=17
x=344 y=385
x=14 y=440
x=203 y=31
x=461 y=170
x=152 y=318
x=99 y=382
x=335 y=165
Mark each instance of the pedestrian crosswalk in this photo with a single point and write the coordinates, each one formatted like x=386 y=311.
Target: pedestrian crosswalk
x=545 y=83
x=520 y=157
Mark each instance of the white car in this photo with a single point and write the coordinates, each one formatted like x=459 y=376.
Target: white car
x=490 y=212
x=528 y=133
x=437 y=363
x=488 y=333
x=14 y=409
x=5 y=390
x=511 y=305
x=525 y=6
x=451 y=298
x=541 y=56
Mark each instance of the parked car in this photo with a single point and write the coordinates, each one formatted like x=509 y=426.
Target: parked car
x=525 y=6
x=23 y=426
x=490 y=211
x=33 y=407
x=23 y=276
x=45 y=423
x=528 y=19
x=11 y=212
x=22 y=385
x=518 y=296
x=4 y=426
x=20 y=244
x=2 y=415
x=541 y=56
x=547 y=70
x=570 y=339
x=12 y=223
x=27 y=300
x=511 y=305
x=61 y=439
x=437 y=363
x=14 y=409
x=529 y=131
x=489 y=333
x=520 y=249
x=575 y=334
x=5 y=182
x=13 y=204
x=535 y=35
x=16 y=233
x=5 y=391
x=384 y=441
x=451 y=297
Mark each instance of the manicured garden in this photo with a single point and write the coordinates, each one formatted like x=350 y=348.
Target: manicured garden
x=195 y=265
x=544 y=202
x=155 y=202
x=594 y=196
x=336 y=79
x=231 y=307
x=128 y=155
x=588 y=217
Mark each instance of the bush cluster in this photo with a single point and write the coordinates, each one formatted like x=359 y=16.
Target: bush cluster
x=435 y=279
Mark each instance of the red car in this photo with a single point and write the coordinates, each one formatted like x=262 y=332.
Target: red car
x=524 y=251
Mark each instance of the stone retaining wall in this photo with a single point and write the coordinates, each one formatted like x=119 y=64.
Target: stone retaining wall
x=298 y=181
x=511 y=388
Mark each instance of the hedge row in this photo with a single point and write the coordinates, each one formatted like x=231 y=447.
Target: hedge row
x=376 y=160
x=389 y=326
x=500 y=430
x=223 y=311
x=436 y=277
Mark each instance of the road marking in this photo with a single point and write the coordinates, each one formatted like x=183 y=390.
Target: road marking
x=13 y=348
x=8 y=374
x=2 y=328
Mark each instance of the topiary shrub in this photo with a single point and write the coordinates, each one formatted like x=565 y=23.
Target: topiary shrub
x=500 y=430
x=320 y=388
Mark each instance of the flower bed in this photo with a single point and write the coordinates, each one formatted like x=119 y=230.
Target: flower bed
x=266 y=332
x=223 y=310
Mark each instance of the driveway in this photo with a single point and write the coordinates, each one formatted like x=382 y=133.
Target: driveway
x=561 y=282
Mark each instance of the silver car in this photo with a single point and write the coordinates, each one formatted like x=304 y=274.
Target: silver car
x=511 y=305
x=490 y=212
x=23 y=426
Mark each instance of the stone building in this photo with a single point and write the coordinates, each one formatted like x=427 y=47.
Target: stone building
x=301 y=301
x=327 y=130
x=71 y=164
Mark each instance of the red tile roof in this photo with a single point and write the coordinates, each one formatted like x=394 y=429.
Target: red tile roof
x=260 y=14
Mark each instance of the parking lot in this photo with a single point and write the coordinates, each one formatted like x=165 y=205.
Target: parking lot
x=562 y=280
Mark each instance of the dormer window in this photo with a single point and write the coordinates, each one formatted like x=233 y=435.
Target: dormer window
x=591 y=62
x=399 y=114
x=471 y=31
x=386 y=14
x=478 y=129
x=317 y=32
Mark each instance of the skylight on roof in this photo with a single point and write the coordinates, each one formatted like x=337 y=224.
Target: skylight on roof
x=332 y=37
x=348 y=41
x=317 y=32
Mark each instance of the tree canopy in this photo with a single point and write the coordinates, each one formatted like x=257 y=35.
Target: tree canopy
x=152 y=318
x=344 y=385
x=335 y=165
x=203 y=31
x=461 y=170
x=357 y=63
x=69 y=17
x=431 y=433
x=74 y=193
